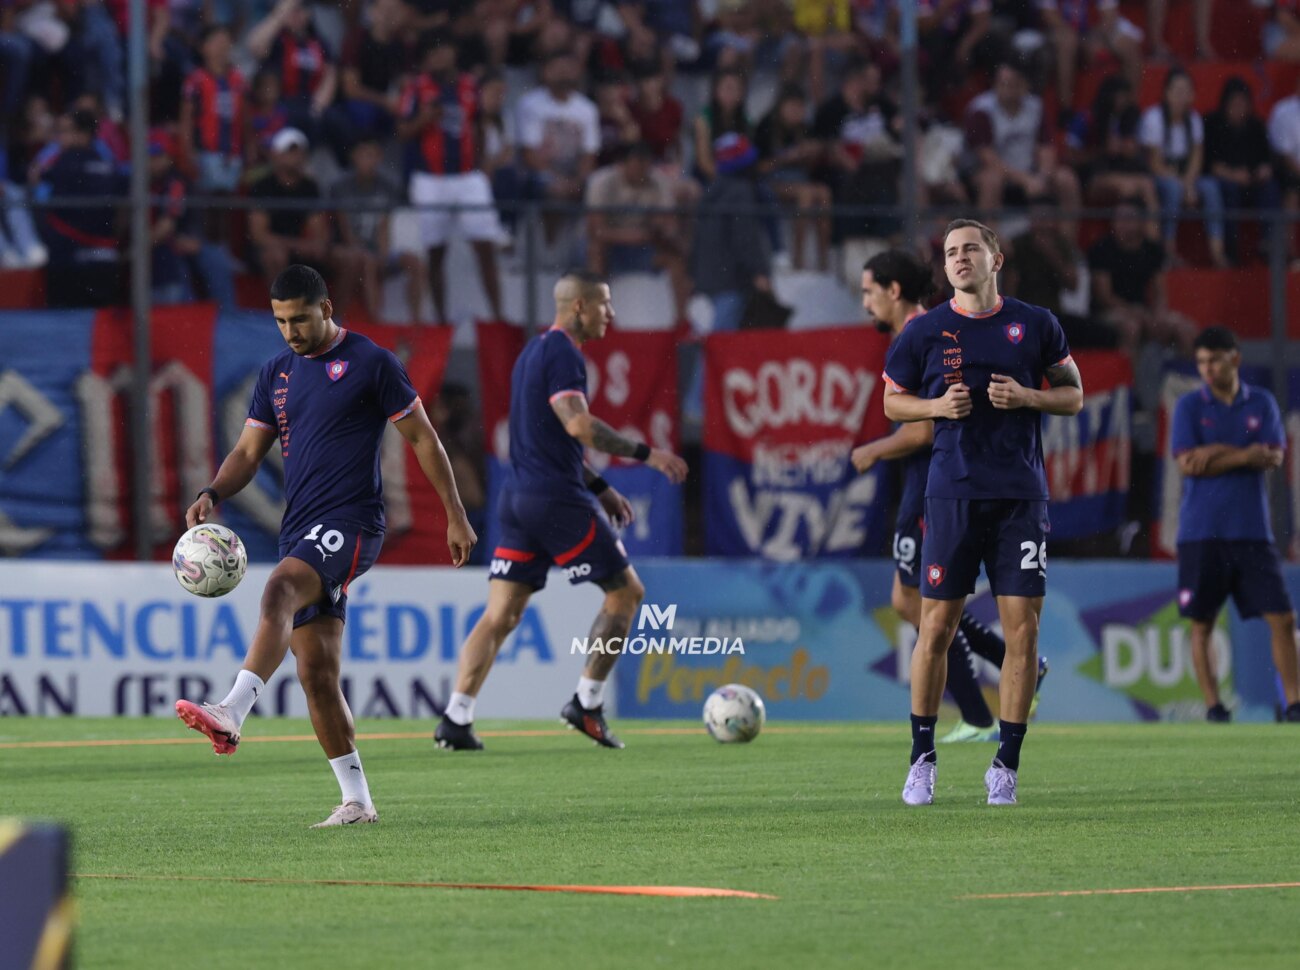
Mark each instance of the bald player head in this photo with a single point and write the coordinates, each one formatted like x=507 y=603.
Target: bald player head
x=583 y=306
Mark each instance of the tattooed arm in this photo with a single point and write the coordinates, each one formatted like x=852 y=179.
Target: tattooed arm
x=1063 y=397
x=572 y=411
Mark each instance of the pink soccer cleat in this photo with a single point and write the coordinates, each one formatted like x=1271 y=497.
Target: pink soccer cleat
x=214 y=721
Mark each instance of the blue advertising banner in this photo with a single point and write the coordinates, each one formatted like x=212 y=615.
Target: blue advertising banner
x=820 y=641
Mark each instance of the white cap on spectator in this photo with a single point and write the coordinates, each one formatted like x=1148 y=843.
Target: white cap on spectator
x=287 y=138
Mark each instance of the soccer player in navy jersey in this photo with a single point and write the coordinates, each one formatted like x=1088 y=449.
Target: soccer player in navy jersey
x=894 y=284
x=975 y=367
x=1226 y=435
x=549 y=513
x=327 y=399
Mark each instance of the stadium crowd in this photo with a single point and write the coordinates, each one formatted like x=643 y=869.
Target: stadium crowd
x=336 y=114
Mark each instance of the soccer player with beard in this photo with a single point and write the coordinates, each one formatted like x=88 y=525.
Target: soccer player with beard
x=328 y=399
x=975 y=367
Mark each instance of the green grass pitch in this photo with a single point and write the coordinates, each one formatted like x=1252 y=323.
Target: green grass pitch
x=810 y=814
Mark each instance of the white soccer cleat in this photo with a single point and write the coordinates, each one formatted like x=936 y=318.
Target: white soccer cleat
x=214 y=720
x=1001 y=784
x=919 y=788
x=349 y=813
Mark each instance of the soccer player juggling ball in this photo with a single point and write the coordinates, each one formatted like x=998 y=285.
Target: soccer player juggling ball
x=327 y=399
x=975 y=367
x=1225 y=436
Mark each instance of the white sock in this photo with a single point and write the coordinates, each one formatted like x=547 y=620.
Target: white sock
x=460 y=709
x=352 y=779
x=243 y=695
x=590 y=692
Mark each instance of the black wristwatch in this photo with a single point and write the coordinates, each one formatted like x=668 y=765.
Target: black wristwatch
x=211 y=493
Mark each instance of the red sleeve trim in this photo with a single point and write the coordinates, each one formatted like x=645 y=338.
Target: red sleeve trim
x=894 y=386
x=254 y=423
x=406 y=410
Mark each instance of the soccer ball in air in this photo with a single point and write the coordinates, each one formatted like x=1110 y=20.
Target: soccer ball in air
x=209 y=560
x=734 y=713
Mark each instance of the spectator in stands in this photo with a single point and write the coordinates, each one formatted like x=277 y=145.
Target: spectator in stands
x=632 y=241
x=173 y=230
x=1173 y=135
x=1128 y=285
x=443 y=154
x=17 y=52
x=827 y=26
x=734 y=37
x=374 y=58
x=1105 y=149
x=286 y=42
x=1043 y=266
x=724 y=115
x=1010 y=136
x=858 y=128
x=671 y=26
x=369 y=229
x=1238 y=156
x=559 y=134
x=789 y=156
x=1284 y=138
x=1090 y=28
x=93 y=58
x=731 y=259
x=264 y=117
x=1282 y=42
x=212 y=116
x=618 y=128
x=1202 y=15
x=658 y=116
x=511 y=184
x=83 y=240
x=298 y=234
x=955 y=34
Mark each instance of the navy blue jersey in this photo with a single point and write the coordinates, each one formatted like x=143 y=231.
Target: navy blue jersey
x=1233 y=505
x=990 y=454
x=330 y=411
x=916 y=469
x=543 y=456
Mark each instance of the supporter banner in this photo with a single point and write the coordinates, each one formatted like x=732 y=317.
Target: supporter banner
x=1088 y=458
x=817 y=640
x=1179 y=379
x=632 y=386
x=126 y=639
x=66 y=491
x=782 y=412
x=820 y=641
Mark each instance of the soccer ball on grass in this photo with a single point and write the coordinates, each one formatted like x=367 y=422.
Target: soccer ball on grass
x=734 y=713
x=209 y=560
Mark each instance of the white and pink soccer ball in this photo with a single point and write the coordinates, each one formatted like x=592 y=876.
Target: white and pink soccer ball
x=209 y=560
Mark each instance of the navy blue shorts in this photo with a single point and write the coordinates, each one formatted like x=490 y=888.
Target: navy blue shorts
x=1009 y=536
x=537 y=531
x=1211 y=571
x=909 y=531
x=339 y=552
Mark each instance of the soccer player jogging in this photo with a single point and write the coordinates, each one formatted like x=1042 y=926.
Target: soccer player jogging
x=975 y=367
x=548 y=515
x=894 y=283
x=1226 y=435
x=328 y=399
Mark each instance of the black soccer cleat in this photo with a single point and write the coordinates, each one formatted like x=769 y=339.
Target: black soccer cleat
x=590 y=721
x=1218 y=714
x=1292 y=713
x=451 y=736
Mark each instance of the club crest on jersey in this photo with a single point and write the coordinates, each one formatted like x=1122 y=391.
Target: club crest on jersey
x=934 y=574
x=1015 y=332
x=336 y=369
